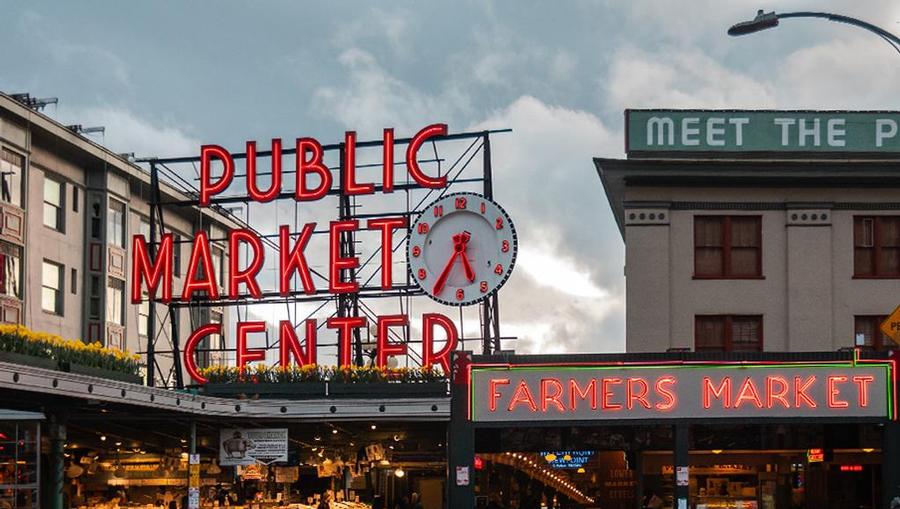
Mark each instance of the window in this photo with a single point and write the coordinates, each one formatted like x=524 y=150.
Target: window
x=727 y=247
x=11 y=165
x=73 y=284
x=145 y=228
x=728 y=333
x=144 y=315
x=867 y=333
x=53 y=206
x=116 y=223
x=94 y=301
x=10 y=270
x=51 y=287
x=115 y=291
x=74 y=199
x=176 y=254
x=876 y=246
x=218 y=262
x=216 y=340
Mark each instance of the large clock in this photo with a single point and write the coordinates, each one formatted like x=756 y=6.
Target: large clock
x=461 y=249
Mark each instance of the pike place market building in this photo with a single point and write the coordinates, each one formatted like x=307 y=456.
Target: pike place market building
x=762 y=269
x=762 y=265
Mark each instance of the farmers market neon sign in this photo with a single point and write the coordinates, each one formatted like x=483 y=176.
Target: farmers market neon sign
x=313 y=181
x=680 y=390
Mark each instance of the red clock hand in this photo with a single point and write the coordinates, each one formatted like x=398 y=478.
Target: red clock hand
x=470 y=273
x=442 y=279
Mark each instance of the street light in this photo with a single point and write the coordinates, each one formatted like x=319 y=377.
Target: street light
x=765 y=20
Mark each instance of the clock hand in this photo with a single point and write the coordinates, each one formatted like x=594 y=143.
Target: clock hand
x=470 y=273
x=442 y=279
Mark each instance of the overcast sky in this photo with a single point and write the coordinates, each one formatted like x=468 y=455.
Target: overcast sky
x=164 y=77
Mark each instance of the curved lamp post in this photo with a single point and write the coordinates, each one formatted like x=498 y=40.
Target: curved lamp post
x=764 y=20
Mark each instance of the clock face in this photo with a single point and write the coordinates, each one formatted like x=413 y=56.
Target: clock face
x=461 y=249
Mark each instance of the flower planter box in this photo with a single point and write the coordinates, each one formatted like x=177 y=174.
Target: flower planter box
x=101 y=373
x=287 y=390
x=387 y=390
x=28 y=360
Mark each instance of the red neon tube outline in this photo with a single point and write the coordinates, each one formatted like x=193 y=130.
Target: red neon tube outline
x=190 y=365
x=290 y=344
x=387 y=225
x=275 y=187
x=337 y=263
x=345 y=326
x=387 y=174
x=200 y=254
x=236 y=277
x=350 y=186
x=244 y=354
x=161 y=268
x=412 y=161
x=208 y=189
x=293 y=259
x=385 y=347
x=313 y=165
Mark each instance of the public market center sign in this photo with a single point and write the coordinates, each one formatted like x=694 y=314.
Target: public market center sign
x=681 y=390
x=741 y=131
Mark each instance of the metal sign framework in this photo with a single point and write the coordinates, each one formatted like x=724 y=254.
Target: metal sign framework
x=461 y=150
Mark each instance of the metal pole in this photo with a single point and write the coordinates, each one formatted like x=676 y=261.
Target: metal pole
x=682 y=461
x=151 y=327
x=489 y=304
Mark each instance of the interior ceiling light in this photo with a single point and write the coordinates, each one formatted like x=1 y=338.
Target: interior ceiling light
x=374 y=426
x=103 y=438
x=334 y=431
x=399 y=472
x=717 y=451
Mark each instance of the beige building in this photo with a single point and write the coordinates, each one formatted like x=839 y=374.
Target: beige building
x=783 y=249
x=68 y=210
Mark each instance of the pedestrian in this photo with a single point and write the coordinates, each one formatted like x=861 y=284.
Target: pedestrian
x=414 y=502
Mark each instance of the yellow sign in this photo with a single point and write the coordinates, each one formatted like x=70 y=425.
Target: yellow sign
x=194 y=479
x=891 y=326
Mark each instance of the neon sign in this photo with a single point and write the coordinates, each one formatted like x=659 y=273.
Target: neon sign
x=567 y=459
x=153 y=275
x=679 y=390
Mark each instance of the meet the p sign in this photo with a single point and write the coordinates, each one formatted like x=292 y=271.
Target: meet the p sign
x=461 y=249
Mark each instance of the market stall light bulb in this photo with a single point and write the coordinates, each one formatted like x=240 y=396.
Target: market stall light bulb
x=717 y=451
x=868 y=449
x=103 y=438
x=374 y=427
x=334 y=431
x=399 y=472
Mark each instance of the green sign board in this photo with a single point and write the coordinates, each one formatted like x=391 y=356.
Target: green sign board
x=654 y=131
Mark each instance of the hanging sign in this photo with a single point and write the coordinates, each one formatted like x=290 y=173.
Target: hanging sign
x=252 y=446
x=547 y=393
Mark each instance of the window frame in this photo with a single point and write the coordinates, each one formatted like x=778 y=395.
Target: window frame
x=60 y=207
x=727 y=345
x=117 y=242
x=110 y=281
x=5 y=249
x=22 y=172
x=880 y=341
x=59 y=304
x=876 y=246
x=727 y=247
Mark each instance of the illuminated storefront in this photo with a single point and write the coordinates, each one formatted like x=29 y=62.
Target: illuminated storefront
x=766 y=431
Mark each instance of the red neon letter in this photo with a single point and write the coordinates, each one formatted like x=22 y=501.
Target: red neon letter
x=492 y=384
x=442 y=356
x=387 y=177
x=576 y=392
x=247 y=276
x=313 y=165
x=723 y=392
x=345 y=326
x=551 y=397
x=605 y=402
x=290 y=345
x=834 y=392
x=244 y=354
x=772 y=395
x=141 y=268
x=349 y=174
x=863 y=382
x=207 y=188
x=252 y=189
x=337 y=263
x=292 y=259
x=800 y=388
x=195 y=283
x=522 y=396
x=387 y=225
x=670 y=399
x=640 y=396
x=385 y=347
x=412 y=156
x=190 y=365
x=749 y=393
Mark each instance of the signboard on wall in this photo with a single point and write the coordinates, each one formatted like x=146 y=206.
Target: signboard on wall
x=791 y=390
x=654 y=131
x=252 y=446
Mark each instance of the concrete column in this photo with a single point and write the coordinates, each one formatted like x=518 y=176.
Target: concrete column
x=57 y=464
x=682 y=447
x=890 y=463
